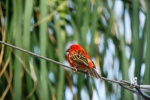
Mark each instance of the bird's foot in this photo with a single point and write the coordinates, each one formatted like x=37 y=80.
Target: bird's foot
x=75 y=69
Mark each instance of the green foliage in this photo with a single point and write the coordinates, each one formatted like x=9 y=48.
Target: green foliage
x=48 y=27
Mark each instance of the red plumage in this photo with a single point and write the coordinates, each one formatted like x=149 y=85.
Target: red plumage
x=78 y=58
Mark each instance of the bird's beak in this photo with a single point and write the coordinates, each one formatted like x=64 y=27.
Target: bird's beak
x=67 y=50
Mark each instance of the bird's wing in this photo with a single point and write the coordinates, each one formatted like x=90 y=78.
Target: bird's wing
x=93 y=64
x=79 y=58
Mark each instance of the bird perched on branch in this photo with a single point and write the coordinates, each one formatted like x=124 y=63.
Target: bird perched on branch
x=79 y=59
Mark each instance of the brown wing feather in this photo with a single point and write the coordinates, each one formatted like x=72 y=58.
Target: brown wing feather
x=80 y=59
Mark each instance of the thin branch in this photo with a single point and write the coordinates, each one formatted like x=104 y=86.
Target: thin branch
x=9 y=79
x=4 y=67
x=143 y=95
x=123 y=83
x=145 y=88
x=36 y=55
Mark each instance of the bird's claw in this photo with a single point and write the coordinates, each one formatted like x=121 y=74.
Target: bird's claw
x=75 y=70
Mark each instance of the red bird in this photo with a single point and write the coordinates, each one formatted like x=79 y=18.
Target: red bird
x=78 y=58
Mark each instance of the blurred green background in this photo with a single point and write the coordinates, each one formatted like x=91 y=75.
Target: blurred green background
x=115 y=33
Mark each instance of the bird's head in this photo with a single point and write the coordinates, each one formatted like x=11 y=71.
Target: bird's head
x=74 y=47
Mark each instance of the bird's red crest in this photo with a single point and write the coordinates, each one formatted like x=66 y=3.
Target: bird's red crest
x=75 y=47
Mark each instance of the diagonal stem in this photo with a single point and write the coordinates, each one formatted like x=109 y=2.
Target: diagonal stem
x=36 y=55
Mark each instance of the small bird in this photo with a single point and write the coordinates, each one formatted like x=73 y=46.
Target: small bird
x=79 y=59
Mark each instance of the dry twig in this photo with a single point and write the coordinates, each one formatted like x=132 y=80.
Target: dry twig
x=131 y=86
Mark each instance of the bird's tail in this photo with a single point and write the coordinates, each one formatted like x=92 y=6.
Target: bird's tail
x=92 y=72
